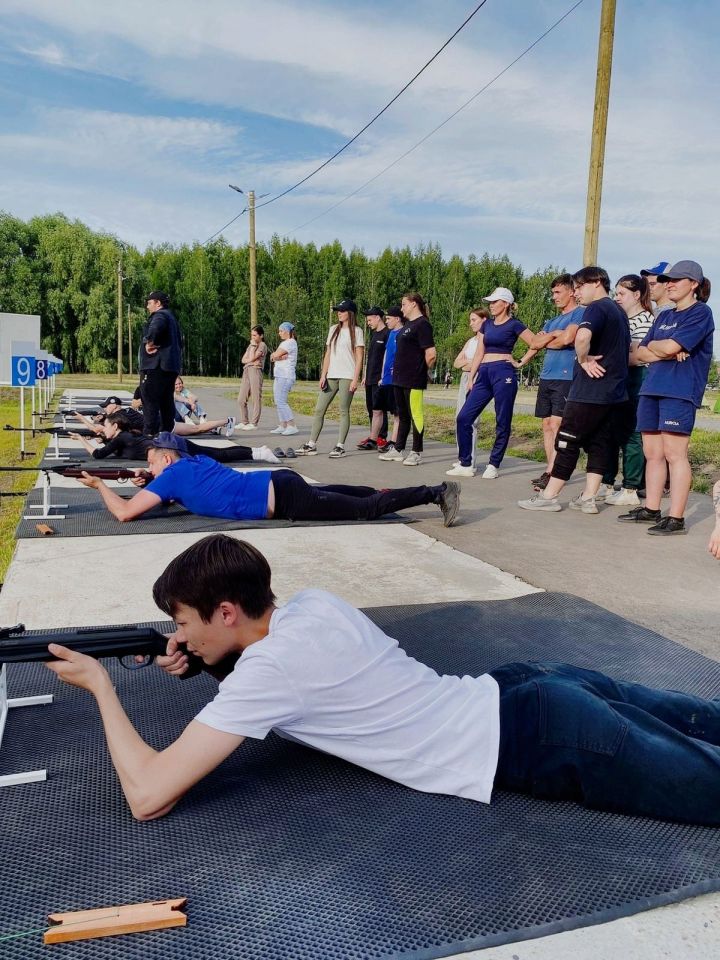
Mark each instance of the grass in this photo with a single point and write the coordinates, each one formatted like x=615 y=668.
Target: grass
x=11 y=507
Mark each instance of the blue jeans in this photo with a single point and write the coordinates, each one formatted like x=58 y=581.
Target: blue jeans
x=573 y=734
x=495 y=381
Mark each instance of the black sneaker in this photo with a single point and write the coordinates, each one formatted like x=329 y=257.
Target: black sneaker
x=640 y=515
x=542 y=479
x=667 y=527
x=367 y=444
x=449 y=502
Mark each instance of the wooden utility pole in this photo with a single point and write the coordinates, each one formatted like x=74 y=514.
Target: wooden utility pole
x=129 y=342
x=119 y=319
x=599 y=130
x=253 y=262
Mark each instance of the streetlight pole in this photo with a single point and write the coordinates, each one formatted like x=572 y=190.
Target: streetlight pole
x=599 y=130
x=252 y=251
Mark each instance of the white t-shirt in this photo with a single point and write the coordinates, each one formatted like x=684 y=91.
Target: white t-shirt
x=286 y=368
x=470 y=349
x=342 y=359
x=327 y=677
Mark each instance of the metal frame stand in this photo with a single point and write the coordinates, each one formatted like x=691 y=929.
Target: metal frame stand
x=30 y=776
x=55 y=452
x=46 y=506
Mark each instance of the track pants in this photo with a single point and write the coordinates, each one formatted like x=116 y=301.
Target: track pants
x=495 y=381
x=409 y=405
x=250 y=388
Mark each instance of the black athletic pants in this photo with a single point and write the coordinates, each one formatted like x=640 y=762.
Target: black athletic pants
x=157 y=389
x=234 y=454
x=370 y=393
x=297 y=500
x=409 y=406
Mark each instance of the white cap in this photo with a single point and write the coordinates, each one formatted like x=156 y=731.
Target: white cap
x=500 y=293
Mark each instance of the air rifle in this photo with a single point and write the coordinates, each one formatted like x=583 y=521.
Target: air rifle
x=77 y=470
x=58 y=431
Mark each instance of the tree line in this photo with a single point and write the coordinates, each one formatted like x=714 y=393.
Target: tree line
x=67 y=273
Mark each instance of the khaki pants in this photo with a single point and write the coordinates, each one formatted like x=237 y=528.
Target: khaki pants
x=251 y=387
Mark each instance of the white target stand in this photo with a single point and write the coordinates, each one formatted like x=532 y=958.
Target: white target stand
x=30 y=776
x=54 y=453
x=46 y=506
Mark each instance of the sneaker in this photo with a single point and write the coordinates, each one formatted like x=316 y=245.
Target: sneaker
x=337 y=452
x=449 y=502
x=280 y=453
x=266 y=455
x=538 y=503
x=367 y=444
x=290 y=453
x=667 y=527
x=460 y=471
x=278 y=429
x=490 y=473
x=539 y=483
x=203 y=418
x=248 y=426
x=381 y=443
x=241 y=426
x=290 y=431
x=229 y=427
x=308 y=449
x=412 y=459
x=605 y=490
x=640 y=515
x=390 y=453
x=623 y=498
x=584 y=504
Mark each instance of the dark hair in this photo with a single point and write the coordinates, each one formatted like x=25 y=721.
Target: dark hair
x=481 y=312
x=593 y=275
x=562 y=280
x=214 y=569
x=419 y=302
x=702 y=291
x=352 y=326
x=123 y=421
x=258 y=329
x=637 y=284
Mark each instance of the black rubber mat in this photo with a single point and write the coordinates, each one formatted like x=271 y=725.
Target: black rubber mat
x=85 y=516
x=288 y=854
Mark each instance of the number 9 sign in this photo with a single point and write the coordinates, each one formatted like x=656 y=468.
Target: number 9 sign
x=23 y=371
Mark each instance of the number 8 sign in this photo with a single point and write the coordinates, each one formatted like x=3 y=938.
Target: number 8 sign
x=41 y=372
x=23 y=371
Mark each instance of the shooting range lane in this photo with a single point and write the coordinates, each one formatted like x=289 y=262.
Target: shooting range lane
x=317 y=859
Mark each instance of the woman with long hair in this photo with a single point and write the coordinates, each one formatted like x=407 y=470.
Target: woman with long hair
x=463 y=361
x=341 y=373
x=285 y=360
x=252 y=379
x=415 y=357
x=678 y=350
x=492 y=377
x=632 y=292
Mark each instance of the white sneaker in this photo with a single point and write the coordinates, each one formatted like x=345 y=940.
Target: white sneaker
x=278 y=429
x=265 y=454
x=605 y=490
x=623 y=498
x=584 y=504
x=241 y=426
x=490 y=472
x=203 y=418
x=249 y=426
x=308 y=449
x=460 y=471
x=289 y=431
x=390 y=453
x=229 y=427
x=337 y=452
x=539 y=503
x=412 y=459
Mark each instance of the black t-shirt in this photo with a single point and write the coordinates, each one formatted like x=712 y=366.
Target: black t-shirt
x=375 y=356
x=410 y=368
x=610 y=341
x=128 y=446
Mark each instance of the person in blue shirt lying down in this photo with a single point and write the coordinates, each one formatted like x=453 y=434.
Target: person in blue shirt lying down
x=210 y=489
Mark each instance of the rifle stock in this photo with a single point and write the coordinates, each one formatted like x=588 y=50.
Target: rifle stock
x=77 y=470
x=60 y=431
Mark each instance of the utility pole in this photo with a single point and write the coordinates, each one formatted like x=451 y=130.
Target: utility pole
x=599 y=130
x=129 y=342
x=253 y=261
x=119 y=318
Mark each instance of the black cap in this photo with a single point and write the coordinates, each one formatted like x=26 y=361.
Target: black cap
x=116 y=400
x=163 y=298
x=395 y=312
x=374 y=312
x=346 y=305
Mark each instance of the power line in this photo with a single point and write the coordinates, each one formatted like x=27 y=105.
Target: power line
x=225 y=227
x=377 y=115
x=440 y=125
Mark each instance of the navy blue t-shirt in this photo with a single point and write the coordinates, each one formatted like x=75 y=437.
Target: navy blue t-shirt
x=693 y=330
x=501 y=337
x=208 y=488
x=610 y=341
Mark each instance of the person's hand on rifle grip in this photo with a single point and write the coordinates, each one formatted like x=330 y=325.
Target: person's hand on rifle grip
x=141 y=479
x=175 y=661
x=77 y=669
x=89 y=481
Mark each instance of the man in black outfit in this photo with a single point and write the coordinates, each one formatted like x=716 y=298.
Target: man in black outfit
x=377 y=412
x=159 y=362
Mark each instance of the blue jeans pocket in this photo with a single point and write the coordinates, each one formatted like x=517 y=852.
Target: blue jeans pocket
x=573 y=717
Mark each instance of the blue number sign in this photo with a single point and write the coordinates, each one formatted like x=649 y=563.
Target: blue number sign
x=23 y=371
x=41 y=372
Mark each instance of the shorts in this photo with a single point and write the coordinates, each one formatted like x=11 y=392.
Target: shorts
x=383 y=398
x=551 y=398
x=665 y=415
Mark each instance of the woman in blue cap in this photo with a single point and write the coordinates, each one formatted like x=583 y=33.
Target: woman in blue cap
x=678 y=350
x=285 y=360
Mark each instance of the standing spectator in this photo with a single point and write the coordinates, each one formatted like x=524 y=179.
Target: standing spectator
x=373 y=372
x=415 y=357
x=252 y=379
x=341 y=373
x=678 y=350
x=159 y=362
x=557 y=337
x=658 y=289
x=386 y=394
x=492 y=377
x=285 y=360
x=448 y=380
x=589 y=419
x=187 y=404
x=633 y=295
x=463 y=361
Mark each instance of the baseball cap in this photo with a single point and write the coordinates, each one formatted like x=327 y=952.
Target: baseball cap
x=170 y=441
x=374 y=312
x=395 y=312
x=683 y=270
x=158 y=295
x=500 y=293
x=656 y=270
x=346 y=305
x=116 y=400
x=287 y=326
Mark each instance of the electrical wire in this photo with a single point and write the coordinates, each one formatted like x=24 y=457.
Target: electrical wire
x=225 y=227
x=440 y=125
x=377 y=115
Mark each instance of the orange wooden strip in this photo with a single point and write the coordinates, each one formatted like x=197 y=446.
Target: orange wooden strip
x=111 y=921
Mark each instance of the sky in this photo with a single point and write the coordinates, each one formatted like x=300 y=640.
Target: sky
x=134 y=117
